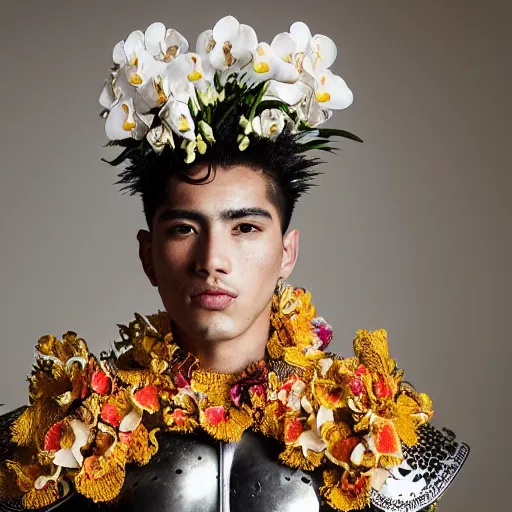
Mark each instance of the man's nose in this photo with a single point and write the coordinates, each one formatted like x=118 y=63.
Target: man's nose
x=212 y=253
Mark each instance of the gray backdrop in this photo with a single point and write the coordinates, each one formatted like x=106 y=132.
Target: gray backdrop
x=409 y=231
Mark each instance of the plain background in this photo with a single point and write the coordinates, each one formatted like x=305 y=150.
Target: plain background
x=410 y=231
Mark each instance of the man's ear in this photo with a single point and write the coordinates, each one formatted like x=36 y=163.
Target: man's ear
x=145 y=240
x=290 y=252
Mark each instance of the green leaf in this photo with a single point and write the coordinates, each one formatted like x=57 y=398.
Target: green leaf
x=334 y=132
x=267 y=104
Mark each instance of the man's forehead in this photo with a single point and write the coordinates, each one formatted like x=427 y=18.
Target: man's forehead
x=229 y=189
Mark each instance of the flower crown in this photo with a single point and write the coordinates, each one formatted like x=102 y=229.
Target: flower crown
x=159 y=94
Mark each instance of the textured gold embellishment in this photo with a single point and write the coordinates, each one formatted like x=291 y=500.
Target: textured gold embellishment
x=347 y=416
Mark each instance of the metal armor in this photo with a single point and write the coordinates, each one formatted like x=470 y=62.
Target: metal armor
x=194 y=473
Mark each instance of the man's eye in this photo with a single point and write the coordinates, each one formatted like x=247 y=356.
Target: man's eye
x=246 y=228
x=181 y=229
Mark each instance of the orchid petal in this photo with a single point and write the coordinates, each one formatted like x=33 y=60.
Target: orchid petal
x=300 y=31
x=153 y=38
x=331 y=91
x=173 y=45
x=226 y=29
x=221 y=59
x=107 y=97
x=134 y=45
x=205 y=43
x=325 y=50
x=117 y=119
x=272 y=124
x=245 y=41
x=284 y=46
x=118 y=54
x=122 y=122
x=284 y=72
x=256 y=125
x=176 y=116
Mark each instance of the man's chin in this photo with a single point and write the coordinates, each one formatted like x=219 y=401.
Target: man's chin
x=212 y=326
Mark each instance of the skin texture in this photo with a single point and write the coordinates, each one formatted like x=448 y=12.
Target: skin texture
x=223 y=234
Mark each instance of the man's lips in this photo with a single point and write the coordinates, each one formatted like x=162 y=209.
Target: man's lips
x=214 y=299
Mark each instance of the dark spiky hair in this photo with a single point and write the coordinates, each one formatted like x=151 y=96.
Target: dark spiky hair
x=282 y=161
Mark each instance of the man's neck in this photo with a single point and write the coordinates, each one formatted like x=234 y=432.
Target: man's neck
x=232 y=355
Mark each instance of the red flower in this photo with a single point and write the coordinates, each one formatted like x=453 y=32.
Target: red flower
x=382 y=389
x=292 y=430
x=361 y=370
x=110 y=414
x=178 y=417
x=100 y=382
x=215 y=415
x=52 y=438
x=356 y=386
x=147 y=397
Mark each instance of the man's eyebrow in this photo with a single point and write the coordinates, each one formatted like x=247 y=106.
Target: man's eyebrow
x=233 y=214
x=241 y=213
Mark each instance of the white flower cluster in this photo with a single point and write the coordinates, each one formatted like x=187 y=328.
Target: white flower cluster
x=155 y=74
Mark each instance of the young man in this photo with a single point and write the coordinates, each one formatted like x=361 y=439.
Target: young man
x=228 y=399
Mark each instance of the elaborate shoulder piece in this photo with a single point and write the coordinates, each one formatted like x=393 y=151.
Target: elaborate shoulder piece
x=428 y=468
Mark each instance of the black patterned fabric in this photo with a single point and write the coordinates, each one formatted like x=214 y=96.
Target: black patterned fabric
x=427 y=470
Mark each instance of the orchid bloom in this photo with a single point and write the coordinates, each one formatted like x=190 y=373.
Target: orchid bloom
x=331 y=91
x=135 y=61
x=270 y=123
x=228 y=43
x=266 y=64
x=124 y=122
x=164 y=45
x=183 y=75
x=176 y=117
x=123 y=105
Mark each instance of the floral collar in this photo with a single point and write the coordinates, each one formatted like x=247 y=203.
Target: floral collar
x=91 y=417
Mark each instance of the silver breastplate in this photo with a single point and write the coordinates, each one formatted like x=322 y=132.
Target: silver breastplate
x=193 y=473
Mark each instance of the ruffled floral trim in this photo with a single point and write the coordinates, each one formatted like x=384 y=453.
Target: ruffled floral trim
x=88 y=418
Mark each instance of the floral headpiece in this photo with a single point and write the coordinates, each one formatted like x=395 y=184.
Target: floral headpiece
x=161 y=94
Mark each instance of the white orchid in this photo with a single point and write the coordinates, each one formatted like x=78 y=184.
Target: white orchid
x=228 y=43
x=135 y=61
x=125 y=117
x=156 y=75
x=331 y=91
x=266 y=65
x=270 y=123
x=164 y=44
x=159 y=137
x=176 y=117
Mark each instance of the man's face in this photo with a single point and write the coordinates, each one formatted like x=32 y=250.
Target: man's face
x=216 y=253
